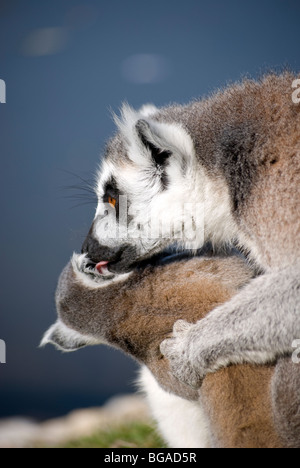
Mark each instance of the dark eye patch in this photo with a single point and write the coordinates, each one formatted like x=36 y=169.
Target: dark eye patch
x=111 y=188
x=111 y=191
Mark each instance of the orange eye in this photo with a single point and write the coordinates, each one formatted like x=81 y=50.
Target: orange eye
x=112 y=201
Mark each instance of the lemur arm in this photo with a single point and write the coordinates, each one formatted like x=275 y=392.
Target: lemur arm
x=257 y=326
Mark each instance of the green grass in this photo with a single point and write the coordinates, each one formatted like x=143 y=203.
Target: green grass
x=133 y=435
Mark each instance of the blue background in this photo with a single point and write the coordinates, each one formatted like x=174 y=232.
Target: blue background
x=56 y=120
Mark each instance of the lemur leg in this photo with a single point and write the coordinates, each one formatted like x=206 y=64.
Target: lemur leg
x=258 y=325
x=182 y=423
x=286 y=401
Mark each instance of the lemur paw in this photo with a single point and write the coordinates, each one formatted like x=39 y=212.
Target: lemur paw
x=178 y=350
x=196 y=350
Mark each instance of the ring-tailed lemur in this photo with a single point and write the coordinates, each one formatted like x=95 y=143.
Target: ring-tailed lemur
x=226 y=170
x=242 y=406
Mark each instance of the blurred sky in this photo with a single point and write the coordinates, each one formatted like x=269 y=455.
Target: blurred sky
x=66 y=64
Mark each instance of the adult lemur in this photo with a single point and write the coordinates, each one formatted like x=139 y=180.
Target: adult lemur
x=225 y=170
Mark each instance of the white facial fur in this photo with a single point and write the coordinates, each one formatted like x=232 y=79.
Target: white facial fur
x=191 y=209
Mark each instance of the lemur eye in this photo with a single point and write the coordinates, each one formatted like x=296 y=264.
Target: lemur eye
x=112 y=201
x=111 y=194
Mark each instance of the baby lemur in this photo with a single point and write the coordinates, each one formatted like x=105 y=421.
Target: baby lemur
x=239 y=406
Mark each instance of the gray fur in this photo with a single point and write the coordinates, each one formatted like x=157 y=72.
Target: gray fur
x=286 y=402
x=257 y=326
x=241 y=148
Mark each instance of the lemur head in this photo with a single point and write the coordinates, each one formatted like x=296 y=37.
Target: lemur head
x=86 y=304
x=147 y=191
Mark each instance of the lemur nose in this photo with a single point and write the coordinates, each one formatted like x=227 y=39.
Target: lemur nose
x=97 y=252
x=92 y=248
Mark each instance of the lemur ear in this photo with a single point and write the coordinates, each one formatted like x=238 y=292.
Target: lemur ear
x=63 y=338
x=146 y=137
x=147 y=110
x=151 y=140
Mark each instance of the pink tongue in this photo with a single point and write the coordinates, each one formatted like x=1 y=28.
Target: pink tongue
x=100 y=266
